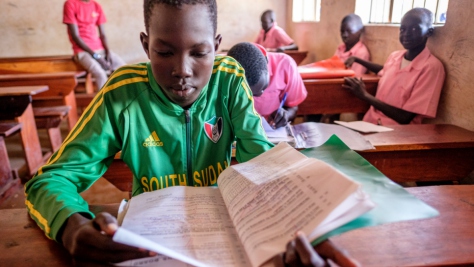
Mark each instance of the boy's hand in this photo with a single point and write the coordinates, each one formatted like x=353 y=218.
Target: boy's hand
x=355 y=86
x=299 y=252
x=104 y=63
x=350 y=61
x=280 y=118
x=90 y=241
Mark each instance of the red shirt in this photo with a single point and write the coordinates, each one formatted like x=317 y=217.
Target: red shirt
x=87 y=16
x=415 y=88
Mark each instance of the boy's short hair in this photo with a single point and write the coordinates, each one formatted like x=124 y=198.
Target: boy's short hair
x=251 y=59
x=355 y=18
x=425 y=14
x=211 y=5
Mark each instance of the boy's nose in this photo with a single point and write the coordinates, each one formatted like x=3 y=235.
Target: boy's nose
x=182 y=68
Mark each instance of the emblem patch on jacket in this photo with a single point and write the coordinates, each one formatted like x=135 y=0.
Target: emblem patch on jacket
x=213 y=128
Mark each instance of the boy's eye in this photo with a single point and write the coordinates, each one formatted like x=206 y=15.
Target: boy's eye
x=199 y=54
x=164 y=53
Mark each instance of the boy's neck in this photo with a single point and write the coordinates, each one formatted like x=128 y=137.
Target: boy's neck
x=412 y=53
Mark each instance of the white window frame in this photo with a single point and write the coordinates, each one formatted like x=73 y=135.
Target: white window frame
x=306 y=11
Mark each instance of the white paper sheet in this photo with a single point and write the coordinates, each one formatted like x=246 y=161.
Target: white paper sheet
x=364 y=127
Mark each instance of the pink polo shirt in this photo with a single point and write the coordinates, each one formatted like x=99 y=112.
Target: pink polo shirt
x=358 y=50
x=284 y=78
x=87 y=16
x=415 y=88
x=275 y=37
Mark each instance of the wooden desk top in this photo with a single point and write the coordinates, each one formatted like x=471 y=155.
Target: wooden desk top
x=424 y=136
x=22 y=90
x=368 y=78
x=42 y=75
x=443 y=240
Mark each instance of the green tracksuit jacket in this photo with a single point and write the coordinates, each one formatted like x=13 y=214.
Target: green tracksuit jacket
x=163 y=144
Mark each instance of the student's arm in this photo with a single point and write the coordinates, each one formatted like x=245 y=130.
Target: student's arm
x=292 y=46
x=373 y=67
x=103 y=39
x=299 y=252
x=357 y=87
x=72 y=28
x=282 y=116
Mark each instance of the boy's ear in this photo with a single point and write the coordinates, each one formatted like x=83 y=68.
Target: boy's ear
x=217 y=42
x=145 y=41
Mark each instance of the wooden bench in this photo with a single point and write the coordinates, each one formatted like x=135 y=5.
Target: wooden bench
x=297 y=55
x=8 y=177
x=61 y=63
x=50 y=118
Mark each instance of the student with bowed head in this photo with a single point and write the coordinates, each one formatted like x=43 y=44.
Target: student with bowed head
x=168 y=100
x=273 y=37
x=274 y=80
x=351 y=30
x=411 y=79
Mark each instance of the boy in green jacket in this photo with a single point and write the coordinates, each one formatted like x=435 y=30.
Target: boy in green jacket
x=174 y=119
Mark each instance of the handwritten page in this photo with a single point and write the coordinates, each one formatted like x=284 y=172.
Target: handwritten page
x=364 y=127
x=191 y=221
x=282 y=191
x=275 y=135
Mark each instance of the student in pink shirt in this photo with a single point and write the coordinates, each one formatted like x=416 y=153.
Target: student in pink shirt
x=411 y=81
x=270 y=78
x=351 y=30
x=273 y=37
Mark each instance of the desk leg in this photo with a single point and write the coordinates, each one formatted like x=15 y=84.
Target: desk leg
x=5 y=169
x=30 y=140
x=70 y=100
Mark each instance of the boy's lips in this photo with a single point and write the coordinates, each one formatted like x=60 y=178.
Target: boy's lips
x=181 y=90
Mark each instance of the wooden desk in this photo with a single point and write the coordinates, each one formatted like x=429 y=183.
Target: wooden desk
x=440 y=241
x=326 y=96
x=298 y=56
x=61 y=89
x=443 y=240
x=16 y=105
x=427 y=152
x=59 y=63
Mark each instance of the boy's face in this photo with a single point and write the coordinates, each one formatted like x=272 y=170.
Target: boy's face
x=413 y=31
x=261 y=85
x=267 y=21
x=350 y=32
x=181 y=47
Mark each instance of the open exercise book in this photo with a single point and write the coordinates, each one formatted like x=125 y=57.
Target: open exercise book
x=256 y=209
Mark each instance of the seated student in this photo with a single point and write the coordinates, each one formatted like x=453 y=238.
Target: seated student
x=271 y=76
x=183 y=87
x=411 y=81
x=273 y=37
x=83 y=18
x=351 y=30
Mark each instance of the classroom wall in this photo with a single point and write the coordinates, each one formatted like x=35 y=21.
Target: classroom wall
x=34 y=28
x=452 y=44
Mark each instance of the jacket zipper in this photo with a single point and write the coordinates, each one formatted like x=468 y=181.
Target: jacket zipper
x=188 y=148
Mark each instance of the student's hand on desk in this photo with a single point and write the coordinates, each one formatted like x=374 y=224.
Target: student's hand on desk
x=299 y=252
x=90 y=241
x=355 y=86
x=350 y=61
x=280 y=118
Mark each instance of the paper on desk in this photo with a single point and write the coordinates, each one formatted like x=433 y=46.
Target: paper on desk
x=314 y=134
x=393 y=202
x=364 y=127
x=276 y=135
